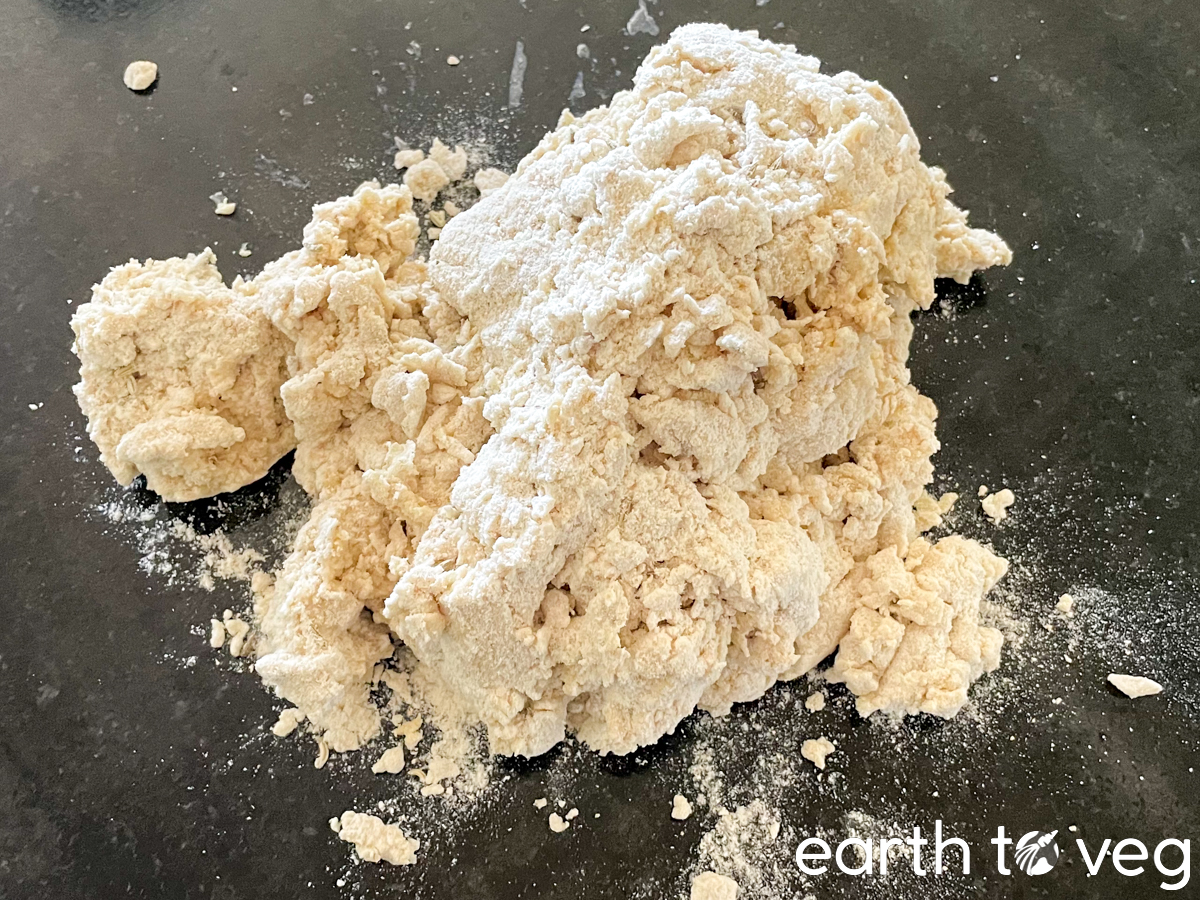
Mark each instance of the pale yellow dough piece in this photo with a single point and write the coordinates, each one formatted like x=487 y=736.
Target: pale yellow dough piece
x=1135 y=685
x=140 y=74
x=816 y=751
x=996 y=505
x=374 y=840
x=711 y=886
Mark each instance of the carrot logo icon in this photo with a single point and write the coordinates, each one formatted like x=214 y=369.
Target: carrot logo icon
x=1037 y=853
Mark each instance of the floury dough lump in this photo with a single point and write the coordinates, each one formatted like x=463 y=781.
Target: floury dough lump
x=638 y=437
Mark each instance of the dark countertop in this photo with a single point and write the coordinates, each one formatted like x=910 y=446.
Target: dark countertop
x=1072 y=377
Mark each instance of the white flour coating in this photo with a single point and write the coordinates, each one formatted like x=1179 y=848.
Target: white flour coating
x=374 y=840
x=639 y=438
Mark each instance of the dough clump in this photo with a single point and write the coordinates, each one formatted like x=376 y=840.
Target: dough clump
x=640 y=437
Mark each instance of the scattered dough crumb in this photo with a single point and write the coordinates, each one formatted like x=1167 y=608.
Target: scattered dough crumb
x=489 y=181
x=434 y=233
x=1134 y=685
x=815 y=751
x=391 y=763
x=996 y=506
x=411 y=732
x=224 y=206
x=1065 y=605
x=572 y=813
x=451 y=209
x=815 y=702
x=558 y=824
x=452 y=60
x=374 y=840
x=244 y=250
x=711 y=886
x=453 y=162
x=680 y=808
x=983 y=490
x=425 y=179
x=288 y=721
x=322 y=754
x=140 y=74
x=540 y=803
x=437 y=217
x=238 y=630
x=407 y=158
x=217 y=638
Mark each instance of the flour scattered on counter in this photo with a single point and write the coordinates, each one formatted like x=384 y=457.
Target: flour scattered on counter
x=641 y=22
x=1134 y=685
x=139 y=75
x=996 y=505
x=374 y=840
x=816 y=751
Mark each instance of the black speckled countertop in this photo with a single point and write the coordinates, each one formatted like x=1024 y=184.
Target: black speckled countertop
x=1072 y=377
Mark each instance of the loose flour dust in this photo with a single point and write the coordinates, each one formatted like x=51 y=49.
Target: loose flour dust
x=639 y=437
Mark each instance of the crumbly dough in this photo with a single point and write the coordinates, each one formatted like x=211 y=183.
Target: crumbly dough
x=488 y=181
x=1135 y=685
x=140 y=74
x=711 y=886
x=996 y=505
x=680 y=807
x=816 y=751
x=425 y=179
x=391 y=762
x=639 y=438
x=815 y=702
x=374 y=840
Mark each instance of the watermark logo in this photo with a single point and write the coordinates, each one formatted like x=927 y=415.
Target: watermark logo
x=1037 y=853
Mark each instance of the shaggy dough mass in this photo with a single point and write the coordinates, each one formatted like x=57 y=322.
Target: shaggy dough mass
x=638 y=438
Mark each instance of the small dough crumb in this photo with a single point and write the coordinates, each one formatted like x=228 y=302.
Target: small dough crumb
x=411 y=732
x=224 y=206
x=391 y=762
x=489 y=181
x=437 y=217
x=238 y=630
x=140 y=74
x=540 y=803
x=434 y=233
x=815 y=702
x=711 y=886
x=680 y=808
x=815 y=751
x=452 y=60
x=322 y=754
x=374 y=840
x=244 y=250
x=983 y=490
x=405 y=159
x=451 y=209
x=453 y=162
x=288 y=721
x=1066 y=605
x=572 y=813
x=425 y=179
x=558 y=824
x=1134 y=685
x=996 y=506
x=216 y=639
